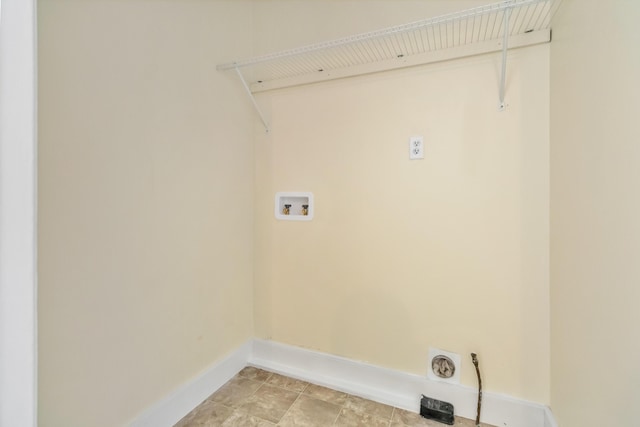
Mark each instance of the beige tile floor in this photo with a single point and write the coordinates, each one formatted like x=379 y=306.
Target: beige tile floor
x=260 y=398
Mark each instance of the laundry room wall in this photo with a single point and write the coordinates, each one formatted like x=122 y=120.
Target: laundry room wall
x=402 y=255
x=145 y=202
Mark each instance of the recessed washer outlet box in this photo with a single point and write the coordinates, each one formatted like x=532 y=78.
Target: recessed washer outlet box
x=294 y=206
x=443 y=366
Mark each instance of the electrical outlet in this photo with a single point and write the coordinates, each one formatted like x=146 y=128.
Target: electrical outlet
x=416 y=148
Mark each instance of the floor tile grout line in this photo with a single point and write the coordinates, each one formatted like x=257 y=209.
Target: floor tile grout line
x=343 y=406
x=289 y=408
x=338 y=416
x=266 y=382
x=255 y=377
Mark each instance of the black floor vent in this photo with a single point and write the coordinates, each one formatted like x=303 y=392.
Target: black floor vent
x=436 y=410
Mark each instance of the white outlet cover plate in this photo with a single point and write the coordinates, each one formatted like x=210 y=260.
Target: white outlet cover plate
x=455 y=378
x=416 y=147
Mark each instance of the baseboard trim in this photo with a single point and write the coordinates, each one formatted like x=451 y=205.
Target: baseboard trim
x=549 y=419
x=172 y=408
x=393 y=387
x=383 y=385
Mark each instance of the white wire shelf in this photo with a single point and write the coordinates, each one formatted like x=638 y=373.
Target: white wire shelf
x=465 y=33
x=490 y=28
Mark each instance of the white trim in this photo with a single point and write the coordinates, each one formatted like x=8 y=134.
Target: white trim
x=549 y=419
x=392 y=387
x=383 y=385
x=18 y=343
x=173 y=407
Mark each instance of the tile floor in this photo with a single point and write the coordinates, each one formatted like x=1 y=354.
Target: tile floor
x=260 y=398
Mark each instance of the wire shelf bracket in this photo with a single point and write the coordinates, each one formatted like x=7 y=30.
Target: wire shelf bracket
x=253 y=100
x=495 y=27
x=505 y=48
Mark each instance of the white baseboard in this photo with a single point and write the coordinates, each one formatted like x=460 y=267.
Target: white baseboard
x=393 y=387
x=549 y=420
x=372 y=382
x=172 y=408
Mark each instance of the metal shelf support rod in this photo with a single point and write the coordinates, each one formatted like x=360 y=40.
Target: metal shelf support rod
x=505 y=47
x=253 y=99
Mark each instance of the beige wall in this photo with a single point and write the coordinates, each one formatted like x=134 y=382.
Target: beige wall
x=147 y=193
x=595 y=211
x=145 y=205
x=450 y=251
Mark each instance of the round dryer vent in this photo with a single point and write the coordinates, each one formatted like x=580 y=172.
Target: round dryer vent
x=443 y=366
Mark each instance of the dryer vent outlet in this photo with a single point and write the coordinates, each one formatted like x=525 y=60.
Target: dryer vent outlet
x=443 y=366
